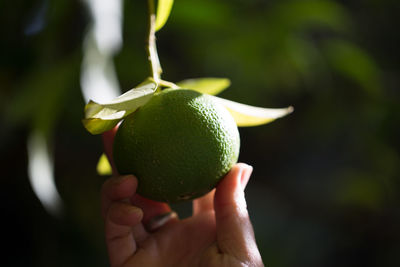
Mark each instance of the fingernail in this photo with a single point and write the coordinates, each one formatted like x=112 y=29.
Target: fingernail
x=240 y=175
x=247 y=171
x=135 y=211
x=241 y=184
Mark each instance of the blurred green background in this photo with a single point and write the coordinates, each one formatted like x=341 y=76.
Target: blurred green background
x=325 y=188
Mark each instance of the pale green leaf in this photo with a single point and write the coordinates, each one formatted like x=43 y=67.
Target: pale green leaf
x=103 y=117
x=99 y=126
x=211 y=86
x=104 y=166
x=246 y=116
x=163 y=10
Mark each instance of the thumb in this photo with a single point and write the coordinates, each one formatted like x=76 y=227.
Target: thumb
x=235 y=235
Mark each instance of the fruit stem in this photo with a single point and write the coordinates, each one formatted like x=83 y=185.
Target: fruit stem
x=151 y=48
x=168 y=84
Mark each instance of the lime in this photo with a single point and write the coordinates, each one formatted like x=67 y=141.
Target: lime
x=178 y=145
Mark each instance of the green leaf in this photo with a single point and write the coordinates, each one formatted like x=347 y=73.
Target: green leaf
x=294 y=15
x=103 y=117
x=211 y=86
x=163 y=10
x=103 y=166
x=246 y=116
x=354 y=63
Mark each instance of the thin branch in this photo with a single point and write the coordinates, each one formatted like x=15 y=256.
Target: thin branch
x=152 y=54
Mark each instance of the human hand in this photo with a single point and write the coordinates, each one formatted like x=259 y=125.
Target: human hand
x=219 y=233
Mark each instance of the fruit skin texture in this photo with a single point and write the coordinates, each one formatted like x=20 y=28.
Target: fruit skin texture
x=178 y=145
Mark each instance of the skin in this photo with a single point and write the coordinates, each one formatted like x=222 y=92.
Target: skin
x=219 y=233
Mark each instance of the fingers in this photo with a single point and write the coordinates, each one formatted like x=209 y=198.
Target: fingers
x=204 y=203
x=235 y=234
x=121 y=219
x=124 y=187
x=150 y=208
x=117 y=188
x=121 y=213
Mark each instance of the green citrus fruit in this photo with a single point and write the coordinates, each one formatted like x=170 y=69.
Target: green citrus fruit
x=178 y=145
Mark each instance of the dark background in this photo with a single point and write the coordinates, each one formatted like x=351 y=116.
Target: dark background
x=325 y=188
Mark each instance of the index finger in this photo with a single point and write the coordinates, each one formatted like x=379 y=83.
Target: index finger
x=119 y=188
